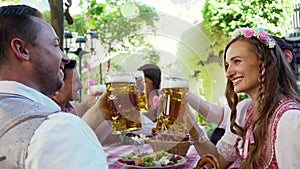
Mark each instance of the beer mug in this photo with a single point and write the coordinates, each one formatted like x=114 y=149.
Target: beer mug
x=141 y=91
x=173 y=97
x=122 y=96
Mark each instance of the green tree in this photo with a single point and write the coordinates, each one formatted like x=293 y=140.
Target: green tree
x=152 y=56
x=221 y=17
x=11 y=1
x=117 y=27
x=79 y=24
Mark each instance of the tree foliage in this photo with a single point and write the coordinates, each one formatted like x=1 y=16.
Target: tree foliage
x=221 y=17
x=152 y=56
x=79 y=25
x=11 y=1
x=117 y=32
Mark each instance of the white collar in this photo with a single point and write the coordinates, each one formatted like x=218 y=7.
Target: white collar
x=13 y=87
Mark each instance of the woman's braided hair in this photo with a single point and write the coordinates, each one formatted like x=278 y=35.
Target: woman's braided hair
x=276 y=80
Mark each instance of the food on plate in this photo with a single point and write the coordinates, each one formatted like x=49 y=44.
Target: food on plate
x=159 y=158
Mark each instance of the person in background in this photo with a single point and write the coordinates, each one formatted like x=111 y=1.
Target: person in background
x=71 y=89
x=71 y=92
x=288 y=52
x=152 y=75
x=34 y=132
x=262 y=132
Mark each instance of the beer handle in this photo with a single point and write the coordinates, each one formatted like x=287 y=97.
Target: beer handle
x=197 y=134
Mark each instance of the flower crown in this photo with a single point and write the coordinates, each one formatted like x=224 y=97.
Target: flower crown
x=259 y=33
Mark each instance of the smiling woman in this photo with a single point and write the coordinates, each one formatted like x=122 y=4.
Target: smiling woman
x=274 y=103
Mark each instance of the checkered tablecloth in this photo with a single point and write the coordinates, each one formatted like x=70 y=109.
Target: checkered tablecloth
x=115 y=152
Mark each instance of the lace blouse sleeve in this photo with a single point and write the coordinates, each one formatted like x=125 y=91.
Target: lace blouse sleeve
x=226 y=144
x=226 y=147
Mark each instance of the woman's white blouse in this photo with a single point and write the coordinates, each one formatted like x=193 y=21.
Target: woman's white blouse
x=287 y=144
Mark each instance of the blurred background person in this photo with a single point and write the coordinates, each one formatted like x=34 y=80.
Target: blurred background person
x=152 y=75
x=71 y=89
x=71 y=92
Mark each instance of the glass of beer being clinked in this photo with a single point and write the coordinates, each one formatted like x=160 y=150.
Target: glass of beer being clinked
x=141 y=91
x=170 y=120
x=122 y=95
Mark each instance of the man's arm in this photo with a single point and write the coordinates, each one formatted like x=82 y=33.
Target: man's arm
x=98 y=113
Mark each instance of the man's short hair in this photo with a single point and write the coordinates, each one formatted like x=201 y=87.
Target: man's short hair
x=70 y=65
x=153 y=73
x=16 y=21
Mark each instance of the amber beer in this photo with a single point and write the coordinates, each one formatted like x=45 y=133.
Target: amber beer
x=141 y=91
x=122 y=95
x=170 y=119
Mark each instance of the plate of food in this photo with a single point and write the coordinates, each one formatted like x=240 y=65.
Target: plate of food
x=159 y=159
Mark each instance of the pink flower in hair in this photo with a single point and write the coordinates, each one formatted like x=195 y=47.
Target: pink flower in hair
x=248 y=33
x=259 y=33
x=263 y=36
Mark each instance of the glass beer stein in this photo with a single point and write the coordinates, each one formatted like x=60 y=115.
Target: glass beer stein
x=170 y=120
x=141 y=91
x=123 y=98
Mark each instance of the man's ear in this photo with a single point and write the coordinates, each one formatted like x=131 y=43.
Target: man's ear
x=18 y=47
x=288 y=55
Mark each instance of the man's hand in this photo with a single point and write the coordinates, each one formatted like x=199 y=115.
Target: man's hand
x=104 y=106
x=86 y=104
x=98 y=112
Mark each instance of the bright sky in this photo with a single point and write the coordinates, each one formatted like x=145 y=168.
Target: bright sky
x=188 y=11
x=44 y=5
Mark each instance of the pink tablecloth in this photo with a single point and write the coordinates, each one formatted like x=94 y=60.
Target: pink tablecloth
x=115 y=152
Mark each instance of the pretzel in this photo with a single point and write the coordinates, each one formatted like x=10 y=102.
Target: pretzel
x=207 y=159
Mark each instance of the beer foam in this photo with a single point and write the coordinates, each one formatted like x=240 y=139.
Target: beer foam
x=120 y=77
x=174 y=83
x=97 y=88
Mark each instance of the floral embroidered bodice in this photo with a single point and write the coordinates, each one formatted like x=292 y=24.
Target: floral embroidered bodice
x=268 y=157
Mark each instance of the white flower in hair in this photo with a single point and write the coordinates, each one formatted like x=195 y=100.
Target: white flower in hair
x=236 y=33
x=256 y=33
x=271 y=43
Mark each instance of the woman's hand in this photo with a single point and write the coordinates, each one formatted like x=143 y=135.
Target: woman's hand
x=196 y=133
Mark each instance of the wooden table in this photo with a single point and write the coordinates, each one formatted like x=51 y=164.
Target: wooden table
x=115 y=152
